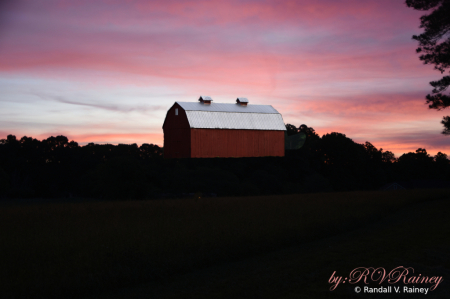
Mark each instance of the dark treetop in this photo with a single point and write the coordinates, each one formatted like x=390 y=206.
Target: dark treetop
x=434 y=46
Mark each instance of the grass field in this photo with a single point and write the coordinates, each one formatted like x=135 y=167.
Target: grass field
x=262 y=247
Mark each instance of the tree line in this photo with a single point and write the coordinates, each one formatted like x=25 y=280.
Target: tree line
x=56 y=167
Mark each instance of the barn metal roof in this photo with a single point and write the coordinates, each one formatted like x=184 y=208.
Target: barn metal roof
x=223 y=107
x=242 y=100
x=233 y=116
x=243 y=121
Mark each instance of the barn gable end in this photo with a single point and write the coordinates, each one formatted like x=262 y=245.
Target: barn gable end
x=177 y=133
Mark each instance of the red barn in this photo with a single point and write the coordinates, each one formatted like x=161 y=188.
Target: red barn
x=205 y=129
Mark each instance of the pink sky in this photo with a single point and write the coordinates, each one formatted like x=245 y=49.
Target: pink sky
x=107 y=71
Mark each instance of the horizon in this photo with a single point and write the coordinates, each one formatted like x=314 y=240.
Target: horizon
x=107 y=72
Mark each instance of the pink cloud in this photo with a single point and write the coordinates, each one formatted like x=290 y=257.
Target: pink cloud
x=338 y=62
x=410 y=106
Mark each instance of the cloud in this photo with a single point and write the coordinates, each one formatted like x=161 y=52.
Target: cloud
x=346 y=66
x=115 y=108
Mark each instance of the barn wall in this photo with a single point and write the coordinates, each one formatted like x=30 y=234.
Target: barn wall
x=212 y=143
x=177 y=134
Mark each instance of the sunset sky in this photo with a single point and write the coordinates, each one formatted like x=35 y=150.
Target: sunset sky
x=107 y=71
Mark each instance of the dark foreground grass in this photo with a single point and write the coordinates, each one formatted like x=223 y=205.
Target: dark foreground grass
x=416 y=237
x=76 y=249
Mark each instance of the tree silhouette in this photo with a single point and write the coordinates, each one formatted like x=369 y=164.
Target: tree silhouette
x=311 y=134
x=388 y=157
x=434 y=43
x=56 y=168
x=441 y=158
x=291 y=129
x=416 y=165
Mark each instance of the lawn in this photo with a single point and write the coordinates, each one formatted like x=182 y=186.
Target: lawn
x=161 y=246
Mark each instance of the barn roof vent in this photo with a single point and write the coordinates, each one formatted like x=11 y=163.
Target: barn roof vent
x=242 y=101
x=205 y=100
